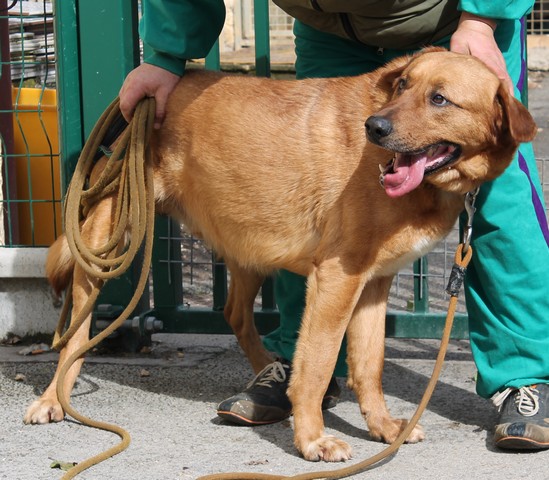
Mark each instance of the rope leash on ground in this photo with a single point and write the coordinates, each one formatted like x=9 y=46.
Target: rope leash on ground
x=461 y=260
x=128 y=173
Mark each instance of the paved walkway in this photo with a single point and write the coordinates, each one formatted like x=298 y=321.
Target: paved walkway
x=166 y=399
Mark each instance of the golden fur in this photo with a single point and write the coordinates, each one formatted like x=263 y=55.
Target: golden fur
x=281 y=175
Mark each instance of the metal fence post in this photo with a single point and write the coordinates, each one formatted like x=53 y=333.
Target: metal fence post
x=68 y=88
x=262 y=40
x=97 y=47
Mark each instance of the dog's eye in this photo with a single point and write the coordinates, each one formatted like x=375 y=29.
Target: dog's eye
x=438 y=99
x=401 y=84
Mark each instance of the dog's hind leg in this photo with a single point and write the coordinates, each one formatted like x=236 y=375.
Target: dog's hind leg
x=365 y=356
x=47 y=408
x=239 y=314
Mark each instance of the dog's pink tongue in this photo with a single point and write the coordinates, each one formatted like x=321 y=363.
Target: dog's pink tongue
x=407 y=174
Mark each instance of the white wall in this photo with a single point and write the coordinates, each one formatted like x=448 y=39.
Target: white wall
x=26 y=302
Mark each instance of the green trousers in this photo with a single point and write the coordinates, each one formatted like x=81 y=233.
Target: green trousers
x=507 y=284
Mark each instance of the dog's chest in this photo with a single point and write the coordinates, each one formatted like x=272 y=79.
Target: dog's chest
x=395 y=259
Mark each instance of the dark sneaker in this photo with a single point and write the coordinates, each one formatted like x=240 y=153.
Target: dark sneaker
x=524 y=418
x=265 y=401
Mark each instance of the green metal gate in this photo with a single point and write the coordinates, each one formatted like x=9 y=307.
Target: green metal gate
x=97 y=46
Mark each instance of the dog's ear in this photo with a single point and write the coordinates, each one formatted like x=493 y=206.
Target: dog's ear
x=430 y=50
x=391 y=71
x=516 y=117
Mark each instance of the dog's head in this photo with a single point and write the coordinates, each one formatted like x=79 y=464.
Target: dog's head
x=450 y=122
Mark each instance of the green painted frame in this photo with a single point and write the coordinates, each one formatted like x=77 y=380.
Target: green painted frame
x=96 y=50
x=97 y=46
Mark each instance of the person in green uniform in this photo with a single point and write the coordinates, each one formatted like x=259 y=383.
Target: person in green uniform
x=507 y=287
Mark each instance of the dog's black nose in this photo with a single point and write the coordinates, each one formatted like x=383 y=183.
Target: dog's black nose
x=377 y=128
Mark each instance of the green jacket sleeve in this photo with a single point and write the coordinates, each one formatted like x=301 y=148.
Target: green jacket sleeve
x=501 y=9
x=174 y=31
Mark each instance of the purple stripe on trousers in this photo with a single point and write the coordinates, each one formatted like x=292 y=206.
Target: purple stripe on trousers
x=523 y=68
x=536 y=201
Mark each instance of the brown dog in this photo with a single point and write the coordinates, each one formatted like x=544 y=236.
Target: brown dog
x=282 y=175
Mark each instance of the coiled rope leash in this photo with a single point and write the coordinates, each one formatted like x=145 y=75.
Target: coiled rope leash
x=461 y=259
x=128 y=173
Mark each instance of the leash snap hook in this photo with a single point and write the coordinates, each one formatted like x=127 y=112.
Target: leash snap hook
x=470 y=199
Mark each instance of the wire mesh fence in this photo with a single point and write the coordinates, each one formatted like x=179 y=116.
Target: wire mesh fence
x=30 y=173
x=198 y=263
x=538 y=20
x=281 y=24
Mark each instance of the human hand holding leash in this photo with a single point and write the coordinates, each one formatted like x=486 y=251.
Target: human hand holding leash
x=475 y=36
x=147 y=80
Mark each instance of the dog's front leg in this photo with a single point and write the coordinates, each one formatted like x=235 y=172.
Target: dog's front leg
x=365 y=356
x=331 y=296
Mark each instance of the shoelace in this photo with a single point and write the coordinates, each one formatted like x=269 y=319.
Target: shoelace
x=526 y=400
x=274 y=372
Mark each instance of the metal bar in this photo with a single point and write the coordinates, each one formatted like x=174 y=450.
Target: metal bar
x=7 y=161
x=108 y=51
x=398 y=325
x=219 y=270
x=207 y=320
x=167 y=275
x=213 y=59
x=262 y=41
x=426 y=325
x=69 y=97
x=219 y=284
x=421 y=286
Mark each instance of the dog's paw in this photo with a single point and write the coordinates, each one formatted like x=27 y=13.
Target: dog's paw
x=44 y=410
x=390 y=429
x=416 y=435
x=327 y=448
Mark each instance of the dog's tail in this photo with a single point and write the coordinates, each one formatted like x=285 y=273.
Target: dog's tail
x=59 y=265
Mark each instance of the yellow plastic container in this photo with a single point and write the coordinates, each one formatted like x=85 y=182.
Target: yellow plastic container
x=37 y=165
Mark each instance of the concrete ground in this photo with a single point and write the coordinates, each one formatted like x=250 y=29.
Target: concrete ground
x=166 y=399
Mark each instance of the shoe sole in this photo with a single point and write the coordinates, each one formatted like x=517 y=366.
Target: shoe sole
x=239 y=420
x=327 y=403
x=520 y=443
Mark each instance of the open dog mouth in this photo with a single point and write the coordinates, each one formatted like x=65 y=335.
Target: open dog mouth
x=406 y=170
